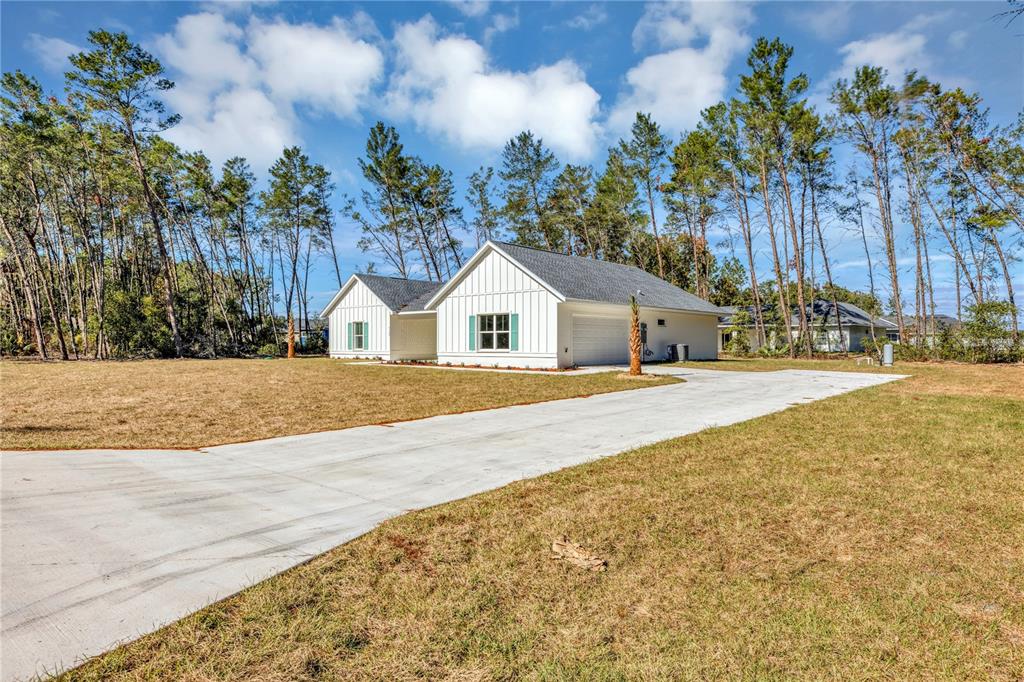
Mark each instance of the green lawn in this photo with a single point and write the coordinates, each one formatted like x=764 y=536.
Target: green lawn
x=874 y=535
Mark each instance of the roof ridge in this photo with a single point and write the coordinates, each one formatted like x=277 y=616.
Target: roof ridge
x=396 y=278
x=590 y=259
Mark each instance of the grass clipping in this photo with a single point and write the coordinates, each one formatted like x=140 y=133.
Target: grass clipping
x=564 y=549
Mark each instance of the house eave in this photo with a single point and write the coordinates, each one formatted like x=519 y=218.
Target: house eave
x=688 y=311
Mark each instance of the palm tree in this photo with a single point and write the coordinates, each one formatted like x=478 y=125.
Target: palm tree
x=635 y=347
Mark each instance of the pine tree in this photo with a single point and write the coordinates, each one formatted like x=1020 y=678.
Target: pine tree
x=528 y=169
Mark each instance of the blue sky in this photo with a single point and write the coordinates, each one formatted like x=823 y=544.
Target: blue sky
x=458 y=79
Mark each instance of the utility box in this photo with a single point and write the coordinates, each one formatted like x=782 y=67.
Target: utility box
x=678 y=351
x=887 y=355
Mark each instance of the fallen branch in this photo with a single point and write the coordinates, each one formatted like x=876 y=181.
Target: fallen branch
x=565 y=550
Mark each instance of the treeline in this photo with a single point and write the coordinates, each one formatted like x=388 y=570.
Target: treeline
x=117 y=243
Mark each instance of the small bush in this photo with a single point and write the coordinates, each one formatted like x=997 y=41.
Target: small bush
x=269 y=350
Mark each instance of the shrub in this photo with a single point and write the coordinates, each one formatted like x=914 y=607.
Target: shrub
x=269 y=350
x=986 y=333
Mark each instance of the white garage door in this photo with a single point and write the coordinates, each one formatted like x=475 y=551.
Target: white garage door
x=599 y=340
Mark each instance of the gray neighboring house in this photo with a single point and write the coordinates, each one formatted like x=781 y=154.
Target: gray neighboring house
x=942 y=323
x=851 y=333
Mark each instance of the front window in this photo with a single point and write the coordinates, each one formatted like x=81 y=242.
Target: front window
x=494 y=332
x=358 y=335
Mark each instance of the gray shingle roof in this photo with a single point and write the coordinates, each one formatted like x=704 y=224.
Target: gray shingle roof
x=588 y=279
x=400 y=295
x=941 y=321
x=849 y=315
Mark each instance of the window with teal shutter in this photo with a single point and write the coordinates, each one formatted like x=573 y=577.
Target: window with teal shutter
x=359 y=336
x=472 y=332
x=350 y=336
x=366 y=335
x=515 y=331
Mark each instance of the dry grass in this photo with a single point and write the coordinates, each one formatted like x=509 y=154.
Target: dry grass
x=194 y=403
x=937 y=378
x=875 y=535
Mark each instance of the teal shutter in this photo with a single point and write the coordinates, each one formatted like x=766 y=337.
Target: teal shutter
x=515 y=332
x=472 y=332
x=366 y=335
x=350 y=336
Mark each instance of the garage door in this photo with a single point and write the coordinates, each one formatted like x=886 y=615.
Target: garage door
x=599 y=340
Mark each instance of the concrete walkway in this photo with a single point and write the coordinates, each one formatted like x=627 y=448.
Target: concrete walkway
x=99 y=547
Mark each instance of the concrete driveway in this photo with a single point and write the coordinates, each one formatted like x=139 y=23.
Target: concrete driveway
x=99 y=547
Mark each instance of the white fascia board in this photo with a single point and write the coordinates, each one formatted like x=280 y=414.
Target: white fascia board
x=338 y=296
x=344 y=290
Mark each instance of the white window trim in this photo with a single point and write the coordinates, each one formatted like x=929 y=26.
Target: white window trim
x=480 y=333
x=358 y=337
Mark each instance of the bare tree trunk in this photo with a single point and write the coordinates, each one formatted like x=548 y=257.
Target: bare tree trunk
x=654 y=228
x=889 y=238
x=33 y=305
x=743 y=214
x=867 y=253
x=843 y=346
x=784 y=311
x=797 y=261
x=165 y=263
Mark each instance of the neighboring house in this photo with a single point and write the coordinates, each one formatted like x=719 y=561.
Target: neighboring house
x=942 y=323
x=382 y=317
x=515 y=306
x=851 y=333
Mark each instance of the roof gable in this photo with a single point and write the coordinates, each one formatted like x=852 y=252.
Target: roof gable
x=472 y=263
x=397 y=294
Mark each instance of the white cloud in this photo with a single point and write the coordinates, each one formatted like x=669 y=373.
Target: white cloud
x=896 y=52
x=594 y=15
x=447 y=86
x=324 y=66
x=237 y=122
x=499 y=24
x=232 y=6
x=958 y=39
x=471 y=8
x=238 y=86
x=901 y=50
x=825 y=21
x=51 y=52
x=700 y=40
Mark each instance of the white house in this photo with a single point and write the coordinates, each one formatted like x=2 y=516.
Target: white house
x=515 y=306
x=382 y=317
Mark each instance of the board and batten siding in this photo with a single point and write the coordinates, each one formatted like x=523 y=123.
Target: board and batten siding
x=497 y=285
x=360 y=305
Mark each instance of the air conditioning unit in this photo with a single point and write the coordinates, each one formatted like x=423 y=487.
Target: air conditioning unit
x=678 y=351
